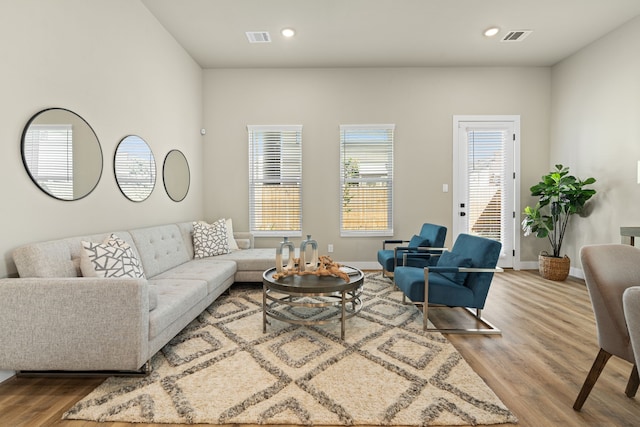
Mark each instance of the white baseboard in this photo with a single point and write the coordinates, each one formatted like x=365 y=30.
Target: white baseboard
x=533 y=265
x=576 y=272
x=528 y=265
x=5 y=375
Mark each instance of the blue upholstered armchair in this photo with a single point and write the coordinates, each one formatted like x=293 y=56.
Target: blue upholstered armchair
x=460 y=278
x=431 y=236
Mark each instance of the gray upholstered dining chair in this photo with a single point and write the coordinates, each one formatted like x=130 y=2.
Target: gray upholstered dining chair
x=610 y=269
x=631 y=304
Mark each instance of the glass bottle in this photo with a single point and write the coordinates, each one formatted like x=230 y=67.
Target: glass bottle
x=309 y=262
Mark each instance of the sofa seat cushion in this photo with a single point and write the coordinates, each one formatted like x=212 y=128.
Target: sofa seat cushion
x=212 y=271
x=175 y=297
x=251 y=259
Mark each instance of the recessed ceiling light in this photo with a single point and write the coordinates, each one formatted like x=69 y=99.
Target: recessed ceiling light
x=490 y=32
x=288 y=32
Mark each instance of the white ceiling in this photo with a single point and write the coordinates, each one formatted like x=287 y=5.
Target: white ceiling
x=387 y=33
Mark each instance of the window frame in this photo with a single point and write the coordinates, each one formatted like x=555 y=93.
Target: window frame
x=384 y=180
x=265 y=172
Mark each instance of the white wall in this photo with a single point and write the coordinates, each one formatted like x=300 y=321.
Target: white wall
x=115 y=65
x=420 y=101
x=595 y=129
x=111 y=62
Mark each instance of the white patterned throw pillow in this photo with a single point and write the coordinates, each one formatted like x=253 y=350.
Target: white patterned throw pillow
x=112 y=258
x=210 y=239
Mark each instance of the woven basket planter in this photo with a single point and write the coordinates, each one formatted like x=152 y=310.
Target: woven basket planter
x=554 y=268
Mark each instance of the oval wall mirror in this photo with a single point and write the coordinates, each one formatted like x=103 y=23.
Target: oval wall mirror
x=176 y=175
x=62 y=154
x=135 y=168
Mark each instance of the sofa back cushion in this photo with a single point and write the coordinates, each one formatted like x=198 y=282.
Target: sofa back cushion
x=186 y=229
x=58 y=258
x=160 y=248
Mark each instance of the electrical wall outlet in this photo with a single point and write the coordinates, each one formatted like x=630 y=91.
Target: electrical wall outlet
x=330 y=248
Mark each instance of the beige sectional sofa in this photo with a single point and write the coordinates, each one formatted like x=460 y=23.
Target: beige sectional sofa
x=52 y=318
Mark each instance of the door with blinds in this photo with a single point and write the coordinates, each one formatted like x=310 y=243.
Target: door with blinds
x=485 y=151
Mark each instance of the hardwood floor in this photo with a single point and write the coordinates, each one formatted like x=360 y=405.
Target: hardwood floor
x=536 y=367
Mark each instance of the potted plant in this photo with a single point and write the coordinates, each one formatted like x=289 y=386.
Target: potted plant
x=560 y=196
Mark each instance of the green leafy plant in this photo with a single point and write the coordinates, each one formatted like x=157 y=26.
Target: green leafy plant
x=351 y=170
x=560 y=196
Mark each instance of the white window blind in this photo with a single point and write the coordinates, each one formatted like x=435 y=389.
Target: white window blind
x=48 y=153
x=275 y=180
x=486 y=165
x=366 y=180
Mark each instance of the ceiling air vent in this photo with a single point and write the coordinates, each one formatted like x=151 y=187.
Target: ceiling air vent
x=516 y=35
x=258 y=37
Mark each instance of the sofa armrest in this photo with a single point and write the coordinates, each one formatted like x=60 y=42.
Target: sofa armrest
x=244 y=239
x=73 y=324
x=392 y=242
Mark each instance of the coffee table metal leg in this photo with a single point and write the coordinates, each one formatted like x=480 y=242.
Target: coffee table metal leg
x=344 y=315
x=264 y=308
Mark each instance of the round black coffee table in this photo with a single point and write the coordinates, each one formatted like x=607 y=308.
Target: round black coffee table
x=332 y=291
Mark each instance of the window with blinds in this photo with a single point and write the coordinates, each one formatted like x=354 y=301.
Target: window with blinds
x=275 y=180
x=366 y=180
x=486 y=165
x=48 y=153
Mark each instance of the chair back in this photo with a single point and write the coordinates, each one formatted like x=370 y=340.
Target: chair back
x=609 y=269
x=436 y=234
x=484 y=253
x=631 y=304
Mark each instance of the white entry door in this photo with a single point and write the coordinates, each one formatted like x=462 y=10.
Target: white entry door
x=486 y=152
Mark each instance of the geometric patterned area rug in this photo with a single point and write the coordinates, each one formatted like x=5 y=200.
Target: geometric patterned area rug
x=221 y=369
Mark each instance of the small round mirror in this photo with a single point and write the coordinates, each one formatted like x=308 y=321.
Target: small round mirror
x=62 y=154
x=176 y=175
x=135 y=168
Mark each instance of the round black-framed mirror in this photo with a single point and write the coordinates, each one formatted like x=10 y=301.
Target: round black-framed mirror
x=176 y=175
x=62 y=154
x=135 y=168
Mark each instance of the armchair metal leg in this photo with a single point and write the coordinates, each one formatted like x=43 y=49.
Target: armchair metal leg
x=425 y=305
x=490 y=329
x=598 y=365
